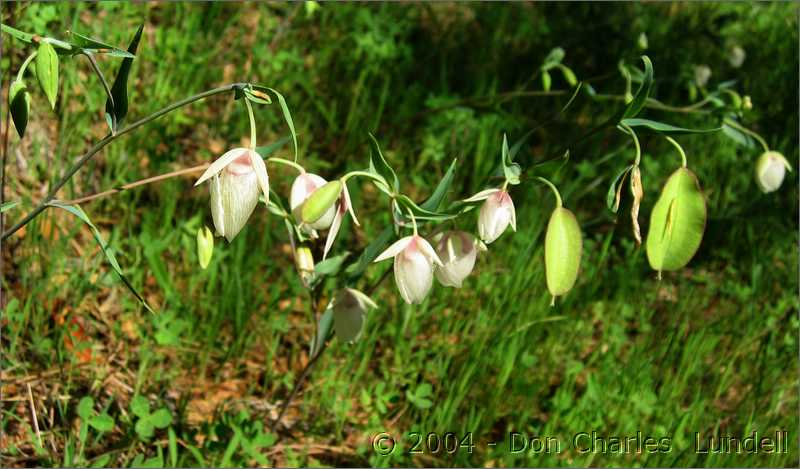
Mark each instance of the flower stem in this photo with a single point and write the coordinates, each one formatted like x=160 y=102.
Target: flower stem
x=24 y=66
x=553 y=188
x=678 y=146
x=252 y=123
x=630 y=132
x=749 y=132
x=294 y=165
x=105 y=141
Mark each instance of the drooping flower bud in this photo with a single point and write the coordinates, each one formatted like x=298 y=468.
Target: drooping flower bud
x=736 y=56
x=205 y=246
x=236 y=179
x=302 y=188
x=414 y=260
x=702 y=73
x=495 y=216
x=19 y=103
x=349 y=308
x=457 y=250
x=770 y=170
x=304 y=260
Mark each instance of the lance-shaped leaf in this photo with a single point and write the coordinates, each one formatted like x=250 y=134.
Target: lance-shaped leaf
x=323 y=331
x=663 y=128
x=435 y=200
x=288 y=117
x=63 y=47
x=386 y=171
x=78 y=212
x=614 y=190
x=117 y=109
x=635 y=106
x=47 y=71
x=99 y=47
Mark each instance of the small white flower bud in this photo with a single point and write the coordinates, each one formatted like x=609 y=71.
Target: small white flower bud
x=770 y=170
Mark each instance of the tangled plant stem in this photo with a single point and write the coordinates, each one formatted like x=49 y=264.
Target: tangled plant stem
x=105 y=141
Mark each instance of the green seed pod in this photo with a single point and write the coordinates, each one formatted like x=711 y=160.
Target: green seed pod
x=562 y=251
x=677 y=222
x=320 y=201
x=19 y=102
x=47 y=71
x=205 y=246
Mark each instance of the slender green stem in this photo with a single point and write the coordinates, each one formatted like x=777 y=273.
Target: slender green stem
x=105 y=141
x=362 y=173
x=554 y=189
x=749 y=132
x=630 y=132
x=24 y=66
x=294 y=165
x=102 y=77
x=413 y=220
x=679 y=147
x=252 y=123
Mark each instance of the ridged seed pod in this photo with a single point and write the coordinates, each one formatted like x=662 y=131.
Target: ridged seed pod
x=562 y=251
x=677 y=222
x=320 y=201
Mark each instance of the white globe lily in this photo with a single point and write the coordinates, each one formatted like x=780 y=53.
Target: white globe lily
x=457 y=251
x=496 y=214
x=343 y=206
x=302 y=188
x=414 y=260
x=770 y=170
x=236 y=178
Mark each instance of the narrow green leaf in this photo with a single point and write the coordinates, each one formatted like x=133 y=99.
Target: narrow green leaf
x=635 y=106
x=119 y=90
x=94 y=45
x=288 y=116
x=267 y=150
x=8 y=205
x=47 y=71
x=331 y=265
x=172 y=444
x=323 y=331
x=435 y=200
x=102 y=461
x=663 y=128
x=546 y=80
x=78 y=212
x=375 y=247
x=738 y=136
x=385 y=164
x=29 y=38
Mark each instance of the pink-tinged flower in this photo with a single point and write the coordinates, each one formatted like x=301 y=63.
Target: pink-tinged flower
x=457 y=251
x=236 y=178
x=414 y=260
x=302 y=188
x=343 y=206
x=496 y=214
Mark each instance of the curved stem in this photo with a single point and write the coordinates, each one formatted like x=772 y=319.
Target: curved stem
x=252 y=123
x=105 y=141
x=362 y=173
x=105 y=86
x=554 y=189
x=749 y=132
x=286 y=163
x=678 y=146
x=24 y=66
x=630 y=132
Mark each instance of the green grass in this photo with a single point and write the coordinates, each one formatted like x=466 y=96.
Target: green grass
x=710 y=349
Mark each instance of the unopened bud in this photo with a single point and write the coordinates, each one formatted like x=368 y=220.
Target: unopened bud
x=304 y=260
x=205 y=246
x=770 y=170
x=320 y=201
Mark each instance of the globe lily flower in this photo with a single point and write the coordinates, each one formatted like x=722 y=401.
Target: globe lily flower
x=343 y=206
x=495 y=215
x=302 y=188
x=770 y=170
x=236 y=178
x=414 y=260
x=349 y=308
x=457 y=250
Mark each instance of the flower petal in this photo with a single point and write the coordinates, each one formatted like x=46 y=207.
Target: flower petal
x=220 y=164
x=428 y=251
x=394 y=249
x=261 y=173
x=482 y=195
x=348 y=204
x=337 y=222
